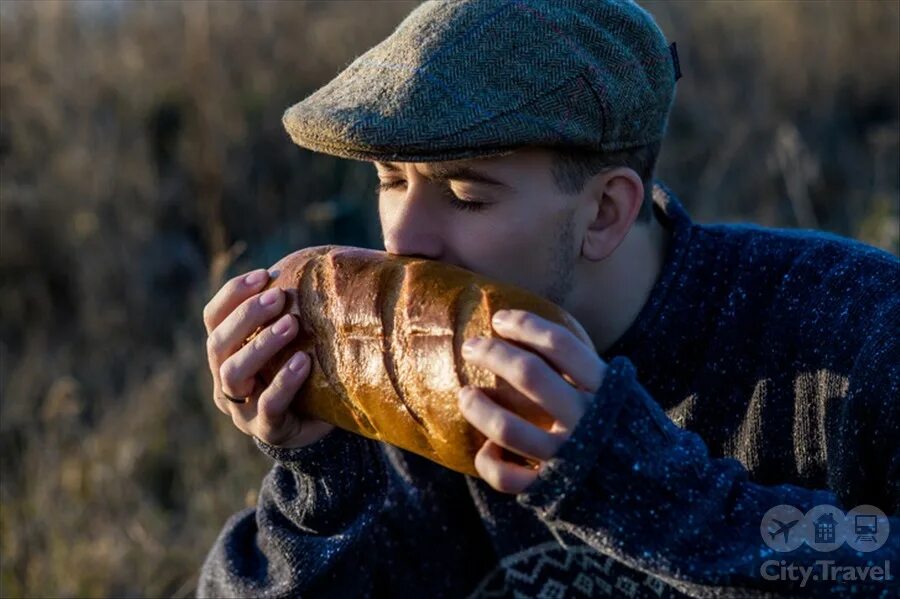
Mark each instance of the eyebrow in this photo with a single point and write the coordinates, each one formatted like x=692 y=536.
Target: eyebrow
x=443 y=173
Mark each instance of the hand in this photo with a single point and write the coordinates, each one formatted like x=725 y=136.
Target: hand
x=564 y=396
x=236 y=311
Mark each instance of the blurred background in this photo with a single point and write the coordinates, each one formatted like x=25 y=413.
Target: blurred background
x=144 y=163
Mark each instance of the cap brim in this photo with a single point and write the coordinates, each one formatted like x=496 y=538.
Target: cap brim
x=302 y=122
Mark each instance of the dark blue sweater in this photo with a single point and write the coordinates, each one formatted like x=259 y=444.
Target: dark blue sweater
x=763 y=370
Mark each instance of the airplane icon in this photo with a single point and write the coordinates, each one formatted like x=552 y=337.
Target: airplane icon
x=785 y=528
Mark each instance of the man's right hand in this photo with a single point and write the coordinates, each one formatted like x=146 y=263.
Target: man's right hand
x=235 y=311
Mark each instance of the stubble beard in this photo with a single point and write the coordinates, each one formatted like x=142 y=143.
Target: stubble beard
x=562 y=261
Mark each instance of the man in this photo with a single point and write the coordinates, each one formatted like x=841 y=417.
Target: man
x=736 y=370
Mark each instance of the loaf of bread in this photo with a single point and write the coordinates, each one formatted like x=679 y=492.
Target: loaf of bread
x=384 y=334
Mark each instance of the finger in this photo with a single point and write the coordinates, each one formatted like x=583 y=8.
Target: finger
x=530 y=374
x=238 y=373
x=231 y=295
x=229 y=336
x=500 y=474
x=241 y=415
x=227 y=406
x=505 y=428
x=555 y=343
x=221 y=402
x=275 y=400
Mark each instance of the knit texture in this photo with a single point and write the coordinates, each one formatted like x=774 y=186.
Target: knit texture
x=762 y=370
x=466 y=78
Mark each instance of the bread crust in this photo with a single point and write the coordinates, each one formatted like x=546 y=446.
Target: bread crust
x=384 y=333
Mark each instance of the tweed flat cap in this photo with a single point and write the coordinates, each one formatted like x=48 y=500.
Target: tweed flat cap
x=466 y=78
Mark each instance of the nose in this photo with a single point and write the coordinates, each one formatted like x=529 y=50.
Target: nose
x=411 y=226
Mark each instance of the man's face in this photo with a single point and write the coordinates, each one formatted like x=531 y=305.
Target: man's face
x=502 y=217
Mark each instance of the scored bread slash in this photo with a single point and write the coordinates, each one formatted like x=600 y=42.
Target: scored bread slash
x=383 y=334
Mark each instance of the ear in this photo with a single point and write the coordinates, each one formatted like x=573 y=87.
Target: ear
x=613 y=200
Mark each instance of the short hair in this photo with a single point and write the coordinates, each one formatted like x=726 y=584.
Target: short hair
x=572 y=167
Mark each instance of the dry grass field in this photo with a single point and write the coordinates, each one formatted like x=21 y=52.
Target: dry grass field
x=143 y=163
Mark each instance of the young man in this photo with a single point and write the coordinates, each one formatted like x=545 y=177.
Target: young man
x=736 y=370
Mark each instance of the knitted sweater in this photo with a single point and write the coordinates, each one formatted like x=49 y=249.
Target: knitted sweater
x=761 y=371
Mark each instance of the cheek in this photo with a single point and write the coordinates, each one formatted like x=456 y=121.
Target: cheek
x=506 y=247
x=494 y=233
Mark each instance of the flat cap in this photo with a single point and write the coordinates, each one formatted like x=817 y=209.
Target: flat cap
x=465 y=78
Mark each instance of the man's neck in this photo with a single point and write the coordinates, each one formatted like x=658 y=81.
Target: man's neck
x=611 y=292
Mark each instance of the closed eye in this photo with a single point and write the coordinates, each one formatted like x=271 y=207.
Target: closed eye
x=455 y=202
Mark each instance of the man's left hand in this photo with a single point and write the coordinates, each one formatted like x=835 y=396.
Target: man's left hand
x=558 y=371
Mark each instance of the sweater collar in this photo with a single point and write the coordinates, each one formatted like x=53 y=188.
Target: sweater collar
x=673 y=216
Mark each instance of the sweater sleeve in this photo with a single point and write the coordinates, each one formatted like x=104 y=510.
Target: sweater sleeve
x=311 y=533
x=631 y=484
x=351 y=517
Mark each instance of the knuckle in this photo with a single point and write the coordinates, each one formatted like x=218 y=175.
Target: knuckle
x=212 y=344
x=504 y=431
x=277 y=386
x=526 y=369
x=228 y=374
x=264 y=431
x=519 y=318
x=268 y=412
x=260 y=341
x=527 y=377
x=554 y=340
x=245 y=310
x=245 y=317
x=252 y=308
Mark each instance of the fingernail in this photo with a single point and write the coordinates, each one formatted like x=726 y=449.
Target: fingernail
x=470 y=345
x=283 y=324
x=269 y=297
x=297 y=362
x=255 y=278
x=501 y=318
